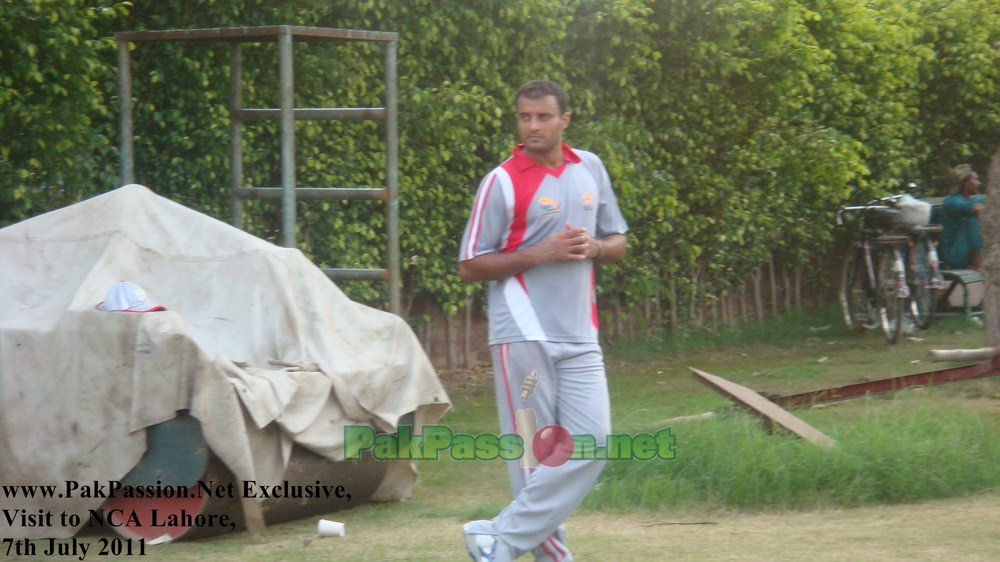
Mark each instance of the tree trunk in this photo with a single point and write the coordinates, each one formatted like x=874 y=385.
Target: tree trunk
x=619 y=321
x=647 y=307
x=428 y=336
x=449 y=341
x=798 y=287
x=744 y=305
x=724 y=308
x=711 y=310
x=673 y=302
x=700 y=293
x=408 y=309
x=693 y=301
x=467 y=360
x=774 y=286
x=990 y=225
x=659 y=307
x=758 y=295
x=786 y=279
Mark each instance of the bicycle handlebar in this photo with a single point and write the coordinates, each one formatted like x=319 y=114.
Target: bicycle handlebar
x=840 y=212
x=879 y=203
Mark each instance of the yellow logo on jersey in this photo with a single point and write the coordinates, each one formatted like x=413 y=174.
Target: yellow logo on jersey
x=549 y=205
x=588 y=201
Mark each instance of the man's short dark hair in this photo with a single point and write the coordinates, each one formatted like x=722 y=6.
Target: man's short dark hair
x=538 y=89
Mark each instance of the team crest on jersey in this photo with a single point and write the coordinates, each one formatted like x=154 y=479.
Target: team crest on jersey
x=588 y=202
x=549 y=205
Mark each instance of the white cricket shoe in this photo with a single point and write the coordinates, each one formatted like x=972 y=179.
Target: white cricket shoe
x=486 y=548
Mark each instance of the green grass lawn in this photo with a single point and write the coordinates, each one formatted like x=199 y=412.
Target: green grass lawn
x=905 y=446
x=911 y=445
x=908 y=446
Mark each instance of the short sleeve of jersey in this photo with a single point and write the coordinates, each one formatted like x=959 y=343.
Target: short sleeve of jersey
x=609 y=217
x=488 y=221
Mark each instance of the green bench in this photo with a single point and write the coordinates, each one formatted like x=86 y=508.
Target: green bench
x=963 y=292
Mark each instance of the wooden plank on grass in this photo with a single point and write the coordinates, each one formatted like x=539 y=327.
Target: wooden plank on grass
x=981 y=354
x=767 y=410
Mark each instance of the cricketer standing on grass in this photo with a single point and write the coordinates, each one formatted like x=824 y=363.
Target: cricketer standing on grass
x=539 y=223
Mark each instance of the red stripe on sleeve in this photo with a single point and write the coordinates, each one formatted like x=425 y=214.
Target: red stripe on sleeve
x=477 y=217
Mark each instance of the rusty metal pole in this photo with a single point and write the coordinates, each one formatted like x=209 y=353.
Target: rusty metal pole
x=286 y=79
x=236 y=131
x=125 y=101
x=392 y=177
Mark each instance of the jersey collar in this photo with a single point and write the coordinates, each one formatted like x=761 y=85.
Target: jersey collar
x=523 y=162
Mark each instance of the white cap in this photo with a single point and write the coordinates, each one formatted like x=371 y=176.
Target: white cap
x=125 y=296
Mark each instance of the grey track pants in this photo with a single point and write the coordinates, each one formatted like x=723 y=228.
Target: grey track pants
x=570 y=391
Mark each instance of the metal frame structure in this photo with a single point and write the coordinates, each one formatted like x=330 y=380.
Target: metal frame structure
x=286 y=114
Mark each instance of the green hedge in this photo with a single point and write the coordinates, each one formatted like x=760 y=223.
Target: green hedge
x=733 y=128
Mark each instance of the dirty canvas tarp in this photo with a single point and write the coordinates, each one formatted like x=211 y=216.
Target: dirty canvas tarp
x=255 y=341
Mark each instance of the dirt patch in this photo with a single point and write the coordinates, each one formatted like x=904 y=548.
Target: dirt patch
x=959 y=529
x=465 y=382
x=954 y=529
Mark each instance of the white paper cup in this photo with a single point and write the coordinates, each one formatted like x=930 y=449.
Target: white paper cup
x=327 y=528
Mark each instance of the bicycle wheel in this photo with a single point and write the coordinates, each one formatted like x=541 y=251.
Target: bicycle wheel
x=890 y=305
x=923 y=297
x=857 y=303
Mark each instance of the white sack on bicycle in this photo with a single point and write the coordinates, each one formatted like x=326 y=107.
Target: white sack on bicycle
x=913 y=211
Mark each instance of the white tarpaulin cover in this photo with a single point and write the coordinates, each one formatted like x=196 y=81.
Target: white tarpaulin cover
x=255 y=341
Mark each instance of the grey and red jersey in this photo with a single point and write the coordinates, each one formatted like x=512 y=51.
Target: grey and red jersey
x=518 y=205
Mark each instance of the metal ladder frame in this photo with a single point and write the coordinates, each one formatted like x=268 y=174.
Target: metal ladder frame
x=286 y=114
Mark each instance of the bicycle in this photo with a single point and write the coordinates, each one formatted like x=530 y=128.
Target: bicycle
x=873 y=290
x=924 y=275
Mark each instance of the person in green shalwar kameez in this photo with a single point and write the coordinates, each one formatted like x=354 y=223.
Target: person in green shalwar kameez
x=961 y=241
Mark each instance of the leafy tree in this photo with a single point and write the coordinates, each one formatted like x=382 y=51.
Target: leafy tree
x=732 y=128
x=53 y=111
x=958 y=83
